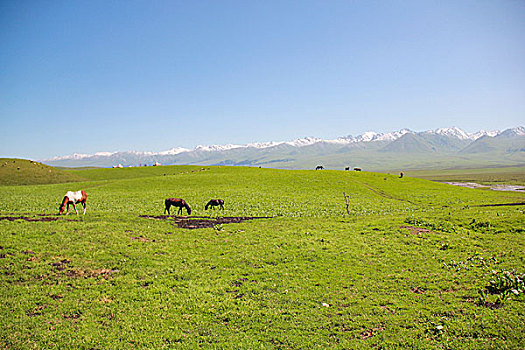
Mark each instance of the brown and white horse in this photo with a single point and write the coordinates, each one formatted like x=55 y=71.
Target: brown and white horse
x=176 y=202
x=214 y=203
x=73 y=198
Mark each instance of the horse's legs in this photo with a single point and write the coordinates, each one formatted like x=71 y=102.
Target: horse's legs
x=180 y=211
x=84 y=204
x=75 y=207
x=67 y=211
x=167 y=209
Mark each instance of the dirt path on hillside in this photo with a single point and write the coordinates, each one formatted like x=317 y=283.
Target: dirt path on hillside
x=384 y=194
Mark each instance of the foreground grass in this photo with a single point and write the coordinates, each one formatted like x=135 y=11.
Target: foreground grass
x=310 y=277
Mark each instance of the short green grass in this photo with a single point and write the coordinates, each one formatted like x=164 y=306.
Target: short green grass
x=402 y=270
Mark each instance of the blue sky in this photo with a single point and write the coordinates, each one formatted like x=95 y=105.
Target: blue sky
x=88 y=76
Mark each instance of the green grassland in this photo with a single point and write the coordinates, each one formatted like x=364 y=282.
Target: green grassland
x=410 y=265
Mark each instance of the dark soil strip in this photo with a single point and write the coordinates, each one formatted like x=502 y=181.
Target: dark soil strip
x=196 y=222
x=498 y=205
x=13 y=218
x=40 y=218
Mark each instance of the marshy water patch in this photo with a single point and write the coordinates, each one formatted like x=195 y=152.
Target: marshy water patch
x=514 y=188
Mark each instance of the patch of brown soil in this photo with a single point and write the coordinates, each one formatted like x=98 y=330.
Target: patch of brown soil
x=39 y=218
x=371 y=332
x=417 y=290
x=490 y=305
x=196 y=222
x=143 y=239
x=80 y=273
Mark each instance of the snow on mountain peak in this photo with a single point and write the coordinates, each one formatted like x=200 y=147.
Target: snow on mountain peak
x=217 y=148
x=173 y=151
x=367 y=136
x=451 y=132
x=305 y=141
x=518 y=131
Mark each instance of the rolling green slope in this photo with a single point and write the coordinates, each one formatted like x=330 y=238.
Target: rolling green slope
x=407 y=267
x=26 y=172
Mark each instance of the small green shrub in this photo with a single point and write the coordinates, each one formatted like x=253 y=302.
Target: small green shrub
x=504 y=285
x=442 y=226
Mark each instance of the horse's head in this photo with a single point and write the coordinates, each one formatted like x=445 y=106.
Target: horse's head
x=62 y=206
x=187 y=208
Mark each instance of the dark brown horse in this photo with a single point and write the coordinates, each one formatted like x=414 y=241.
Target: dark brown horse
x=176 y=202
x=214 y=203
x=72 y=198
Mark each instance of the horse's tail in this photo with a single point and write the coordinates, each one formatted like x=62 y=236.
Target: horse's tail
x=207 y=205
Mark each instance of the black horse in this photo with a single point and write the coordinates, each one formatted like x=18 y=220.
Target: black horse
x=215 y=202
x=319 y=167
x=176 y=202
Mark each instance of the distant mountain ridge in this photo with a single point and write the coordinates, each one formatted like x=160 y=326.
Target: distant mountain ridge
x=376 y=151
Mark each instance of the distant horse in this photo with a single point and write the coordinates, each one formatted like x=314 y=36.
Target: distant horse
x=176 y=202
x=73 y=198
x=319 y=167
x=357 y=169
x=215 y=202
x=347 y=168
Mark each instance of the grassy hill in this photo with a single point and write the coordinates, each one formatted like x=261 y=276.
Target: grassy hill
x=408 y=266
x=26 y=172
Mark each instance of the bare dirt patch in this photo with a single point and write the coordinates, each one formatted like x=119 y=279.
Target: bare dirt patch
x=38 y=218
x=368 y=333
x=196 y=222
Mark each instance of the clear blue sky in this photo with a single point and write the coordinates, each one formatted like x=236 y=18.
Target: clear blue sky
x=88 y=76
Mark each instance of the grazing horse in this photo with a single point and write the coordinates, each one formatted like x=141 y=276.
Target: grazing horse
x=319 y=167
x=176 y=202
x=215 y=202
x=73 y=198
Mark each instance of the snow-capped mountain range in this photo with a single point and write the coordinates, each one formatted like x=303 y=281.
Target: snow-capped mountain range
x=443 y=140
